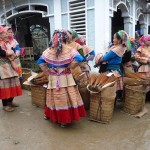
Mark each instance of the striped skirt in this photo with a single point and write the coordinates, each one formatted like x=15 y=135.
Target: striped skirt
x=10 y=88
x=145 y=70
x=64 y=105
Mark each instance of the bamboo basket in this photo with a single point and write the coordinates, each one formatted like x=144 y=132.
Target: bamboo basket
x=85 y=94
x=102 y=105
x=134 y=99
x=38 y=95
x=26 y=73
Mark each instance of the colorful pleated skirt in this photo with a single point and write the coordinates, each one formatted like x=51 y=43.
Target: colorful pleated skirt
x=145 y=70
x=10 y=88
x=64 y=105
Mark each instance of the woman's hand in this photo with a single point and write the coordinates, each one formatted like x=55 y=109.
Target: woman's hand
x=17 y=53
x=74 y=64
x=45 y=69
x=10 y=52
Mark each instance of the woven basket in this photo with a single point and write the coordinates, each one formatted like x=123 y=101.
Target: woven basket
x=102 y=105
x=134 y=99
x=26 y=73
x=85 y=94
x=38 y=94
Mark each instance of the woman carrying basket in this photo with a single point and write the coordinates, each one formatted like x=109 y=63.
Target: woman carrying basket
x=63 y=101
x=113 y=58
x=143 y=57
x=9 y=82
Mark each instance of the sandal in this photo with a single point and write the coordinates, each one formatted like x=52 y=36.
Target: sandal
x=8 y=108
x=63 y=125
x=13 y=104
x=46 y=118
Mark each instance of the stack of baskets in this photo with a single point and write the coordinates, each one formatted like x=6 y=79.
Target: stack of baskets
x=102 y=104
x=134 y=99
x=26 y=73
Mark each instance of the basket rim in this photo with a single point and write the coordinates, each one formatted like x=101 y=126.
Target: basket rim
x=90 y=90
x=26 y=69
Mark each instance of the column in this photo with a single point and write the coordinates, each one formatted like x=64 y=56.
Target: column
x=133 y=21
x=101 y=25
x=148 y=23
x=57 y=14
x=52 y=25
x=128 y=26
x=144 y=29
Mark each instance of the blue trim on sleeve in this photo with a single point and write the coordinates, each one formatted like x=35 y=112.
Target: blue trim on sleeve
x=17 y=48
x=92 y=53
x=41 y=60
x=109 y=55
x=78 y=58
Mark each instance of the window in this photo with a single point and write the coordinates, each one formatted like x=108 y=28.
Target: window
x=77 y=16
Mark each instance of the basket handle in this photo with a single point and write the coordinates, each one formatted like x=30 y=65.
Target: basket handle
x=90 y=90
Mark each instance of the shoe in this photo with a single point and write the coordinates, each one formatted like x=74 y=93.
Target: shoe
x=63 y=125
x=8 y=108
x=46 y=118
x=13 y=104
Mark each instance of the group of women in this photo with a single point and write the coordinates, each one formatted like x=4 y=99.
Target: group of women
x=63 y=101
x=67 y=51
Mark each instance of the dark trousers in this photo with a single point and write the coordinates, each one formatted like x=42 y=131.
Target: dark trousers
x=6 y=102
x=148 y=96
x=119 y=94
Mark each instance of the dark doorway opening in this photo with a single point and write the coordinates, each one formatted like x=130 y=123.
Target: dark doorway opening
x=138 y=27
x=23 y=29
x=117 y=22
x=21 y=26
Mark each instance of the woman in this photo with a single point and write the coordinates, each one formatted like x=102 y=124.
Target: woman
x=16 y=48
x=63 y=101
x=88 y=55
x=88 y=52
x=114 y=56
x=143 y=57
x=71 y=41
x=9 y=82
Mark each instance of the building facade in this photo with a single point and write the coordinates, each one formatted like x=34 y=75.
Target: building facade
x=97 y=20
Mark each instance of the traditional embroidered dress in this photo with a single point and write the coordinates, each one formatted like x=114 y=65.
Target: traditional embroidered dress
x=16 y=48
x=143 y=52
x=9 y=82
x=114 y=59
x=114 y=56
x=63 y=101
x=88 y=54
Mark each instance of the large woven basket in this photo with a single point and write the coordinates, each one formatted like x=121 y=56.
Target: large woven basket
x=134 y=99
x=85 y=94
x=26 y=73
x=38 y=94
x=102 y=105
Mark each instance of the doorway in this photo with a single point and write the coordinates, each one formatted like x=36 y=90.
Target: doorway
x=117 y=22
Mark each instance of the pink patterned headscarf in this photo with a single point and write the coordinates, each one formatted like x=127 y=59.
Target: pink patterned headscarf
x=144 y=39
x=81 y=40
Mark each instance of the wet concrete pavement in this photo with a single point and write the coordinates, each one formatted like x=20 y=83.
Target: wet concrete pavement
x=25 y=129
